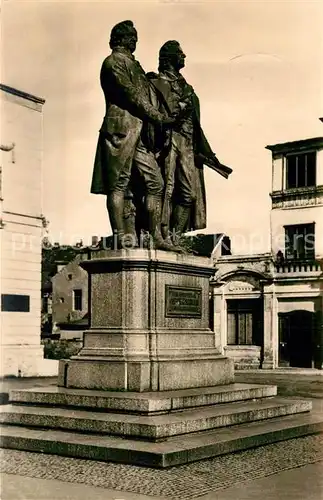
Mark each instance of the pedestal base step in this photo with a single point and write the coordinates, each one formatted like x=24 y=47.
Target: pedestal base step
x=148 y=403
x=174 y=451
x=156 y=427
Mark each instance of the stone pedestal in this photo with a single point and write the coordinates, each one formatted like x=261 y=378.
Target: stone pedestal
x=168 y=396
x=149 y=325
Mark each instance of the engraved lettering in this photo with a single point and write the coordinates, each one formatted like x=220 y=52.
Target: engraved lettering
x=183 y=302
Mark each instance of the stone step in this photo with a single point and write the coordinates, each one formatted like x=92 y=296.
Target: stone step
x=142 y=402
x=156 y=427
x=174 y=451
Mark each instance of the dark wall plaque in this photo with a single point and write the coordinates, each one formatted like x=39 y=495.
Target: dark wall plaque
x=15 y=303
x=183 y=302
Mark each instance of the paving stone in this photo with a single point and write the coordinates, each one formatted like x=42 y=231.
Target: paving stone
x=181 y=482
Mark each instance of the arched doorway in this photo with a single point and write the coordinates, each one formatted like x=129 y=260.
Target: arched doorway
x=296 y=338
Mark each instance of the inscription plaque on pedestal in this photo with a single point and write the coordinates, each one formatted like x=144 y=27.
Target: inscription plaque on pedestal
x=183 y=302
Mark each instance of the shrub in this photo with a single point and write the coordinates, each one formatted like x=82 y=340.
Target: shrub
x=61 y=349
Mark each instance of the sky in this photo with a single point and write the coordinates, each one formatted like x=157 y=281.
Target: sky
x=257 y=67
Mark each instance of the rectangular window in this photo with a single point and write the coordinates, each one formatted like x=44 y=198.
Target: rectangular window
x=300 y=241
x=244 y=324
x=301 y=170
x=15 y=303
x=77 y=300
x=240 y=328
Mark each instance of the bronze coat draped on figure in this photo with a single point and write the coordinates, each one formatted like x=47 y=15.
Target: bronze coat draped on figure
x=141 y=193
x=201 y=148
x=128 y=103
x=126 y=144
x=185 y=149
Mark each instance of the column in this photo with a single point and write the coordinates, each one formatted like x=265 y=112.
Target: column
x=219 y=318
x=270 y=328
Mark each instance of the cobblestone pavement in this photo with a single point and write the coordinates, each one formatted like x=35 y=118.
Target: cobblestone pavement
x=182 y=482
x=288 y=384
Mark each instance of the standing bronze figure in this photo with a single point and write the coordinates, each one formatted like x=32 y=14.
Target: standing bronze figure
x=126 y=138
x=186 y=148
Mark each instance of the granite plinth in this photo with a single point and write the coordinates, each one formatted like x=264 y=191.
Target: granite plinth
x=147 y=403
x=174 y=451
x=158 y=427
x=149 y=325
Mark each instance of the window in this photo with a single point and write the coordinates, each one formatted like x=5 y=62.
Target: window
x=301 y=170
x=77 y=300
x=300 y=241
x=240 y=328
x=70 y=276
x=15 y=303
x=245 y=323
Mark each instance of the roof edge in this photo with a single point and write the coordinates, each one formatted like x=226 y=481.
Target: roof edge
x=21 y=93
x=288 y=146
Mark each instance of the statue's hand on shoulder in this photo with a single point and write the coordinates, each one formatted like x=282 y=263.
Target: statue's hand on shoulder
x=166 y=120
x=169 y=120
x=160 y=118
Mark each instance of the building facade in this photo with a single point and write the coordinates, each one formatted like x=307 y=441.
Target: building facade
x=70 y=293
x=21 y=229
x=268 y=308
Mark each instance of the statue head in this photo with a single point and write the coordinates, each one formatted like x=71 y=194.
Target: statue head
x=124 y=34
x=171 y=55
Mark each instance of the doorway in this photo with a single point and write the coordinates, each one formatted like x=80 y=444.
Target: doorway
x=296 y=338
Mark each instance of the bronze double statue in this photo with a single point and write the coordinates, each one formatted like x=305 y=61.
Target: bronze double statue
x=151 y=147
